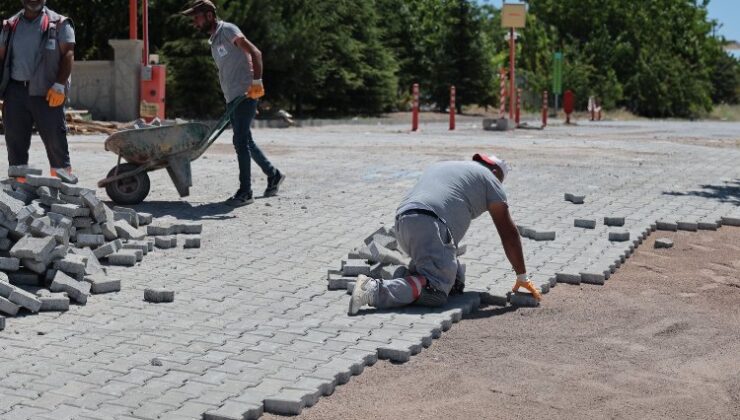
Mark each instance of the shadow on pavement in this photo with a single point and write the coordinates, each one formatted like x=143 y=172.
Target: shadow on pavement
x=727 y=193
x=186 y=211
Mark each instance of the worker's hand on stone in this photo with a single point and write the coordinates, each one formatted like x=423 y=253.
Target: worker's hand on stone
x=522 y=280
x=55 y=96
x=257 y=90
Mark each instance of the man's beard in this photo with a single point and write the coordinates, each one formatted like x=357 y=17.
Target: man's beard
x=206 y=29
x=34 y=9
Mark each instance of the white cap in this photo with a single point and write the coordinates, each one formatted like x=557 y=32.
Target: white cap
x=494 y=160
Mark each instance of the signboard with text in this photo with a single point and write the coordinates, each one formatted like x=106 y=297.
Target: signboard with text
x=513 y=15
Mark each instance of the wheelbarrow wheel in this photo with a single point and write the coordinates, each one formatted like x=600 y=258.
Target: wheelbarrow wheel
x=129 y=190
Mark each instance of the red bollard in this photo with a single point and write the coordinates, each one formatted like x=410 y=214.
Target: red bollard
x=452 y=107
x=518 y=106
x=502 y=109
x=415 y=109
x=544 y=109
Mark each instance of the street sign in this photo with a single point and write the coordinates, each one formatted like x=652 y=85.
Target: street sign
x=557 y=73
x=513 y=15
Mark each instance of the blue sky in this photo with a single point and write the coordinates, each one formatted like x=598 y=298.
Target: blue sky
x=727 y=12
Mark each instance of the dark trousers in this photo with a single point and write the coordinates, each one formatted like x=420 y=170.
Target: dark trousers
x=246 y=149
x=20 y=112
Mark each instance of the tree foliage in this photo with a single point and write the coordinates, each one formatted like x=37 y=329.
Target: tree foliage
x=657 y=58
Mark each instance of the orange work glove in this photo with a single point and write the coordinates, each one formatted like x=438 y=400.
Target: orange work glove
x=55 y=96
x=257 y=90
x=522 y=280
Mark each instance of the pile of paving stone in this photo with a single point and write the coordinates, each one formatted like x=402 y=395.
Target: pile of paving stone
x=55 y=239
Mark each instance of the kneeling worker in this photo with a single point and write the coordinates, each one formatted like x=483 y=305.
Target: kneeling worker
x=430 y=223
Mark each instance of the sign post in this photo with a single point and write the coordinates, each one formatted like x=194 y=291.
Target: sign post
x=557 y=77
x=513 y=15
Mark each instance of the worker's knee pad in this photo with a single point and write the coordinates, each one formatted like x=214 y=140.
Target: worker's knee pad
x=431 y=297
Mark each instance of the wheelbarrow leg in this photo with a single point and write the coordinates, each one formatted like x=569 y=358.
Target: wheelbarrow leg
x=179 y=170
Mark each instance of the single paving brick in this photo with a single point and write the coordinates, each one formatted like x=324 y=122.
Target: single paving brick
x=384 y=255
x=24 y=278
x=8 y=307
x=44 y=181
x=192 y=241
x=574 y=198
x=101 y=283
x=235 y=410
x=585 y=223
x=543 y=235
x=10 y=206
x=124 y=257
x=160 y=228
x=159 y=295
x=108 y=249
x=127 y=214
x=353 y=268
x=91 y=241
x=708 y=225
x=666 y=225
x=54 y=302
x=524 y=300
x=9 y=264
x=37 y=249
x=570 y=278
x=22 y=171
x=663 y=243
x=730 y=221
x=145 y=218
x=70 y=210
x=619 y=235
x=142 y=246
x=25 y=300
x=290 y=402
x=165 y=242
x=126 y=231
x=687 y=225
x=76 y=290
x=614 y=221
x=591 y=277
x=393 y=272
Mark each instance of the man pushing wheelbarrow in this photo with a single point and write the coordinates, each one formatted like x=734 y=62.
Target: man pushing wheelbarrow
x=239 y=65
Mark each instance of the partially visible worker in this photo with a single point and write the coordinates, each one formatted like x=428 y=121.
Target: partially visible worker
x=430 y=223
x=239 y=65
x=37 y=50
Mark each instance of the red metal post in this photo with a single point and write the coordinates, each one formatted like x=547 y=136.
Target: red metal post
x=415 y=110
x=502 y=110
x=452 y=107
x=145 y=30
x=512 y=80
x=544 y=109
x=518 y=105
x=133 y=19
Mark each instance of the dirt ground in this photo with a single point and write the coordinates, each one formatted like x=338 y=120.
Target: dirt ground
x=660 y=340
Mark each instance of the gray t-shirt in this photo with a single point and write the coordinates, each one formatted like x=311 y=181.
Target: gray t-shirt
x=234 y=66
x=457 y=192
x=27 y=45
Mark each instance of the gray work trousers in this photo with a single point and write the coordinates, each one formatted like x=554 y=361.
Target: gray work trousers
x=433 y=253
x=20 y=112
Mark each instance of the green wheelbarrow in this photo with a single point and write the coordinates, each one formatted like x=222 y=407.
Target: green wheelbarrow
x=152 y=148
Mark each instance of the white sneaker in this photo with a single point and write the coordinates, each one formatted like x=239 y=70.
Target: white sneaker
x=363 y=294
x=65 y=175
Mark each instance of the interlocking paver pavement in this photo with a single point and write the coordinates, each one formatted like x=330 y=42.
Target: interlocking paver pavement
x=254 y=327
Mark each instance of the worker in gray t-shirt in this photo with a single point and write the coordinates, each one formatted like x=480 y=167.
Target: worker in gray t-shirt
x=239 y=65
x=37 y=53
x=430 y=223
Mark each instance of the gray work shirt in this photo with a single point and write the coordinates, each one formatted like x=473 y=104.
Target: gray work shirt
x=234 y=66
x=457 y=192
x=27 y=46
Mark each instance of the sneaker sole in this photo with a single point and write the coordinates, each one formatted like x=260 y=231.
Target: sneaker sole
x=277 y=187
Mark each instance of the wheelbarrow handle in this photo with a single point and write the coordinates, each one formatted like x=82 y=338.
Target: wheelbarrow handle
x=220 y=126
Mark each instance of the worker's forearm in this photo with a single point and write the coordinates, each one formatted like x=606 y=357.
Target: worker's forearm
x=65 y=67
x=257 y=65
x=514 y=253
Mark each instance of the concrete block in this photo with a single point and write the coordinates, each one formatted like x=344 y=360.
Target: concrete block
x=730 y=221
x=99 y=211
x=83 y=222
x=126 y=231
x=570 y=278
x=72 y=264
x=70 y=210
x=54 y=302
x=91 y=241
x=7 y=307
x=159 y=295
x=10 y=206
x=37 y=249
x=522 y=300
x=593 y=277
x=145 y=218
x=381 y=231
x=361 y=253
x=127 y=214
x=543 y=235
x=44 y=181
x=386 y=241
x=9 y=264
x=165 y=242
x=5 y=287
x=353 y=268
x=92 y=264
x=150 y=242
x=101 y=283
x=290 y=402
x=619 y=236
x=336 y=281
x=708 y=225
x=189 y=228
x=24 y=278
x=585 y=223
x=192 y=241
x=107 y=249
x=60 y=220
x=73 y=190
x=160 y=228
x=21 y=195
x=393 y=272
x=71 y=199
x=663 y=243
x=4 y=232
x=109 y=230
x=143 y=246
x=124 y=257
x=22 y=171
x=34 y=266
x=25 y=300
x=384 y=255
x=614 y=221
x=666 y=225
x=687 y=225
x=575 y=198
x=2 y=322
x=76 y=290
